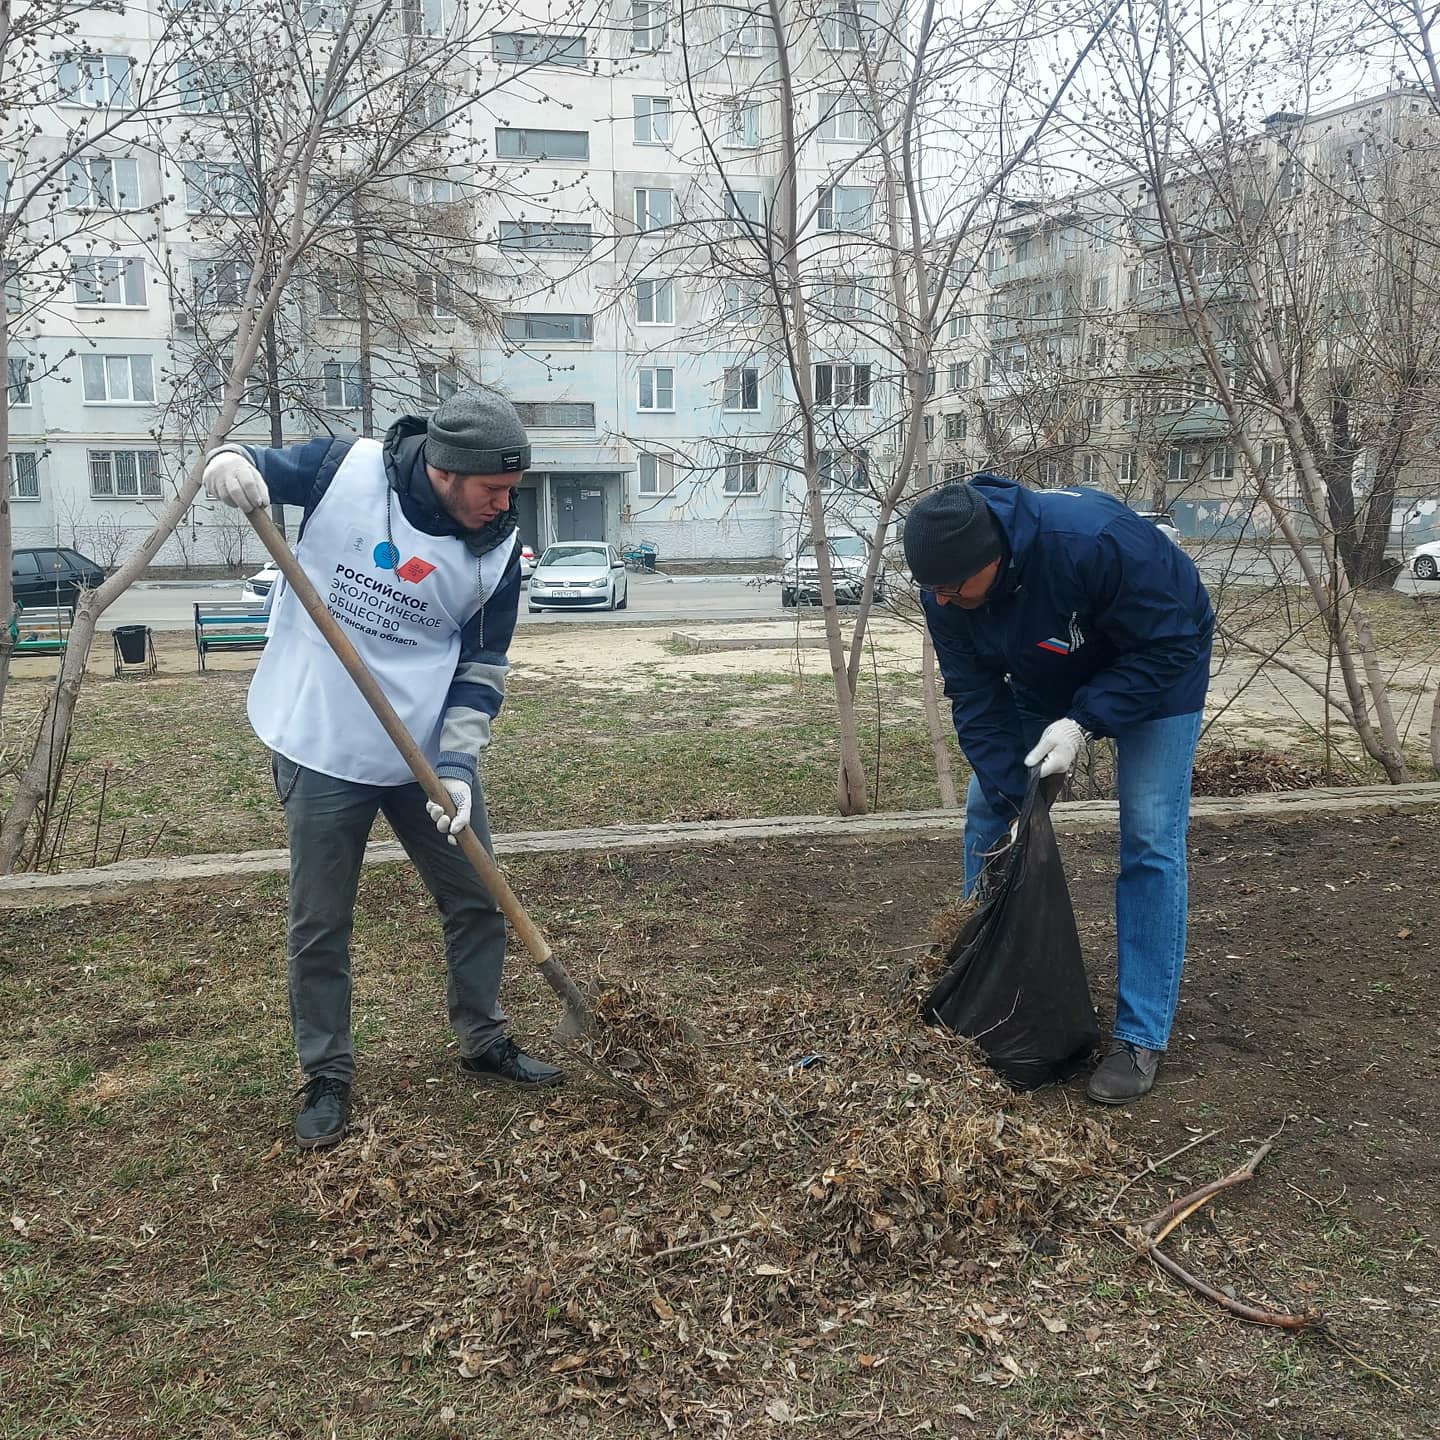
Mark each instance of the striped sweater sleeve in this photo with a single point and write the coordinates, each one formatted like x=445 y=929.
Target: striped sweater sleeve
x=478 y=689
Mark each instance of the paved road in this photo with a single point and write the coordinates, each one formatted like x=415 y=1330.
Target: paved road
x=652 y=598
x=691 y=597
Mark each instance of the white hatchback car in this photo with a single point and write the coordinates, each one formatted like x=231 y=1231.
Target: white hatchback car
x=579 y=575
x=1425 y=561
x=258 y=587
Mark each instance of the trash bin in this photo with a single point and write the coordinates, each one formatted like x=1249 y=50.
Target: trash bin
x=134 y=643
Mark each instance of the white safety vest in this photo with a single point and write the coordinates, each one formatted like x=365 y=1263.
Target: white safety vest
x=403 y=614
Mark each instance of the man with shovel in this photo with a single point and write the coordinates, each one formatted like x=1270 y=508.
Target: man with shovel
x=412 y=544
x=1057 y=616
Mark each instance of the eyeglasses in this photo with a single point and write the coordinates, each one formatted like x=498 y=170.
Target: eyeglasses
x=944 y=592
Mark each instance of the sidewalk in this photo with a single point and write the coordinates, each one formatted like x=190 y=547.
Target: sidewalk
x=107 y=882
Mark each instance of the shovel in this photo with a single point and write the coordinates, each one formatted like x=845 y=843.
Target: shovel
x=578 y=1018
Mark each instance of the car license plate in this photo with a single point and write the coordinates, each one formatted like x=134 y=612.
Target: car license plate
x=568 y=594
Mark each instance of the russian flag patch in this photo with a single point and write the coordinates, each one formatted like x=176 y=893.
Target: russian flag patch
x=1055 y=647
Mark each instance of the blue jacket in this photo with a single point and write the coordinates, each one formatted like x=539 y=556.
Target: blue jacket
x=1096 y=615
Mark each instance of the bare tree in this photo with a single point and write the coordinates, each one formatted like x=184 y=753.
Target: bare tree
x=300 y=69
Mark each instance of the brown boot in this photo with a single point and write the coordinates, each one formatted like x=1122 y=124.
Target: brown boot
x=1126 y=1073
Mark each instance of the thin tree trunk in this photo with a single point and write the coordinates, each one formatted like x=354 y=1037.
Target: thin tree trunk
x=934 y=722
x=362 y=314
x=850 y=784
x=7 y=533
x=1435 y=733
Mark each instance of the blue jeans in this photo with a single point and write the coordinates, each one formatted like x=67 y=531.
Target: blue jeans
x=328 y=822
x=1154 y=763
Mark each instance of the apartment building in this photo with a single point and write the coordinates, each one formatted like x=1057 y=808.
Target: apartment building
x=593 y=234
x=1070 y=361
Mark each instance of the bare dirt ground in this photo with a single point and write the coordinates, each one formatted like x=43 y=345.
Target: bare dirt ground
x=839 y=1226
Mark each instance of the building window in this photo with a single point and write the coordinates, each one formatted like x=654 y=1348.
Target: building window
x=952 y=470
x=1125 y=469
x=960 y=375
x=657 y=474
x=647 y=25
x=930 y=383
x=341 y=382
x=1091 y=472
x=655 y=388
x=1222 y=463
x=929 y=427
x=556 y=414
x=525 y=327
x=209 y=89
x=742 y=32
x=117 y=379
x=740 y=302
x=843 y=118
x=986 y=369
x=652 y=120
x=956 y=427
x=1129 y=408
x=742 y=388
x=217 y=187
x=654 y=209
x=848 y=25
x=959 y=327
x=544 y=235
x=514 y=143
x=118 y=281
x=94 y=81
x=654 y=302
x=426 y=106
x=1094 y=409
x=316 y=15
x=423 y=17
x=744 y=205
x=124 y=474
x=535 y=48
x=844 y=469
x=24 y=475
x=1049 y=472
x=1181 y=464
x=18 y=388
x=1098 y=292
x=744 y=128
x=435 y=296
x=742 y=473
x=844 y=207
x=427 y=192
x=437 y=384
x=845 y=386
x=96 y=182
x=337 y=294
x=1095 y=352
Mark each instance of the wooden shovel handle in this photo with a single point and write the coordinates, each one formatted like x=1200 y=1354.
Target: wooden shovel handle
x=420 y=767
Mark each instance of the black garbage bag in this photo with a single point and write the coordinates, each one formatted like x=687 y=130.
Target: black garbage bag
x=1015 y=979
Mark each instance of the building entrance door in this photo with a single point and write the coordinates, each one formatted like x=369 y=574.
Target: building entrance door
x=580 y=510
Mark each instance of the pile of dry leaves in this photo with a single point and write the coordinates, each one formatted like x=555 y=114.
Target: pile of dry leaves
x=1245 y=772
x=770 y=1201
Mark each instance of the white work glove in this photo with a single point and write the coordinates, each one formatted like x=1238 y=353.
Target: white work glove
x=231 y=479
x=459 y=791
x=1058 y=749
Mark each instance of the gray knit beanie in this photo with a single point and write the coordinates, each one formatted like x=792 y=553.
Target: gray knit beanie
x=951 y=535
x=477 y=432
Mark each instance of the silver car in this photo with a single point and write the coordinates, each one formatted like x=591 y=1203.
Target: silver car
x=849 y=556
x=579 y=575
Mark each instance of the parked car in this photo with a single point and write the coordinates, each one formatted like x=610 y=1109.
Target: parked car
x=258 y=587
x=1164 y=523
x=527 y=563
x=1425 y=561
x=579 y=575
x=849 y=555
x=52 y=575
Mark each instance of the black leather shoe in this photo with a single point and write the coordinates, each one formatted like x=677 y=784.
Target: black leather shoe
x=323 y=1112
x=505 y=1063
x=1126 y=1073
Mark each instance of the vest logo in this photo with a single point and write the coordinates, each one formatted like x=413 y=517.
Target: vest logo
x=414 y=570
x=1057 y=646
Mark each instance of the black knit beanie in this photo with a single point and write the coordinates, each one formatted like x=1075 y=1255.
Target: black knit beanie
x=477 y=432
x=951 y=535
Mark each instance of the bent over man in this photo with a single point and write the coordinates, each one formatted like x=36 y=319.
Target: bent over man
x=1058 y=615
x=412 y=544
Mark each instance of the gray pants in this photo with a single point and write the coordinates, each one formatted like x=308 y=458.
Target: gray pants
x=328 y=822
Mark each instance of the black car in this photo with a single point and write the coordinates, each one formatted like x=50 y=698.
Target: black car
x=52 y=576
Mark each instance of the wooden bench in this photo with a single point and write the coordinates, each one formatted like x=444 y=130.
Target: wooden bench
x=43 y=629
x=225 y=626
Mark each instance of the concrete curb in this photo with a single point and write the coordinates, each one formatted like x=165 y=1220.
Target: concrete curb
x=107 y=882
